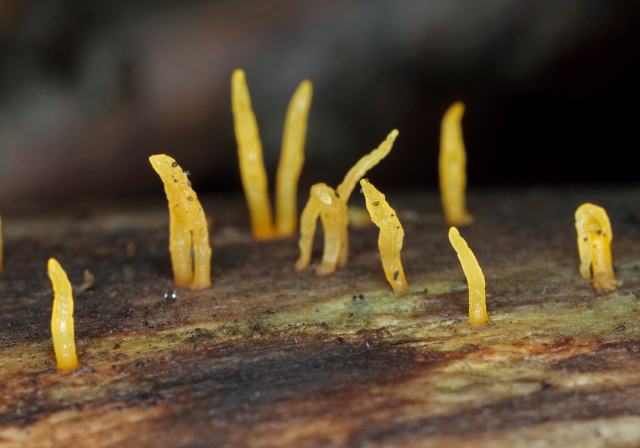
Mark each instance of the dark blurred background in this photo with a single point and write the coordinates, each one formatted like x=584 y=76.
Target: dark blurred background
x=90 y=89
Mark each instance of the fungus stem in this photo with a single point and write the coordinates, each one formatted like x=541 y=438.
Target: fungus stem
x=452 y=164
x=594 y=246
x=62 y=328
x=390 y=237
x=475 y=278
x=187 y=226
x=291 y=161
x=252 y=171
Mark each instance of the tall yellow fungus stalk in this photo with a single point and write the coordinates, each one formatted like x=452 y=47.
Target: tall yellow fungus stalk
x=452 y=167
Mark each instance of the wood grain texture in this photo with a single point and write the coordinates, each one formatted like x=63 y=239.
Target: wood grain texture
x=271 y=357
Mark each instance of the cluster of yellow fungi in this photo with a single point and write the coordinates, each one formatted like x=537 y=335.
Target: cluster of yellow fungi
x=390 y=238
x=452 y=167
x=331 y=206
x=62 y=329
x=188 y=232
x=252 y=170
x=594 y=246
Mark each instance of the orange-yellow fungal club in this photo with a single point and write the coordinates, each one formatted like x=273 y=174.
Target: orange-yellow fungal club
x=252 y=171
x=594 y=246
x=363 y=165
x=452 y=164
x=390 y=238
x=325 y=203
x=475 y=278
x=188 y=233
x=291 y=161
x=62 y=330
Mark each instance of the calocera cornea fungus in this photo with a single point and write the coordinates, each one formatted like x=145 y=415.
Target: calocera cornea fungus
x=475 y=278
x=62 y=328
x=188 y=233
x=594 y=246
x=452 y=167
x=252 y=170
x=331 y=206
x=390 y=238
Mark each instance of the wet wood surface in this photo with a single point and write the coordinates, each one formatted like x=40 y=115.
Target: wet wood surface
x=271 y=357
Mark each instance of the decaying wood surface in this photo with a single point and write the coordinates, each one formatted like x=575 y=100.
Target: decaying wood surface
x=271 y=357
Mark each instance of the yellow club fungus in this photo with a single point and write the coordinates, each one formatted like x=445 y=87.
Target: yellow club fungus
x=452 y=164
x=331 y=206
x=325 y=203
x=390 y=238
x=254 y=177
x=62 y=330
x=291 y=161
x=188 y=233
x=594 y=246
x=475 y=278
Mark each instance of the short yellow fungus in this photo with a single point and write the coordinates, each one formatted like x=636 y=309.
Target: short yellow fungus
x=331 y=206
x=188 y=233
x=452 y=164
x=390 y=238
x=594 y=246
x=475 y=278
x=325 y=203
x=62 y=329
x=252 y=170
x=291 y=161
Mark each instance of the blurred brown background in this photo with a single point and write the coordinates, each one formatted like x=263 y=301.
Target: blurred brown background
x=88 y=90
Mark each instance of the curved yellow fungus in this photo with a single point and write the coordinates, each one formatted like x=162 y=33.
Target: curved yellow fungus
x=62 y=330
x=594 y=246
x=187 y=226
x=291 y=160
x=475 y=278
x=452 y=164
x=363 y=165
x=324 y=202
x=390 y=238
x=254 y=177
x=331 y=206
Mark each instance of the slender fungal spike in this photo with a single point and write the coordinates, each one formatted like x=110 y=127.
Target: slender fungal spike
x=291 y=160
x=252 y=171
x=453 y=160
x=475 y=278
x=325 y=203
x=363 y=165
x=188 y=233
x=62 y=329
x=594 y=246
x=390 y=238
